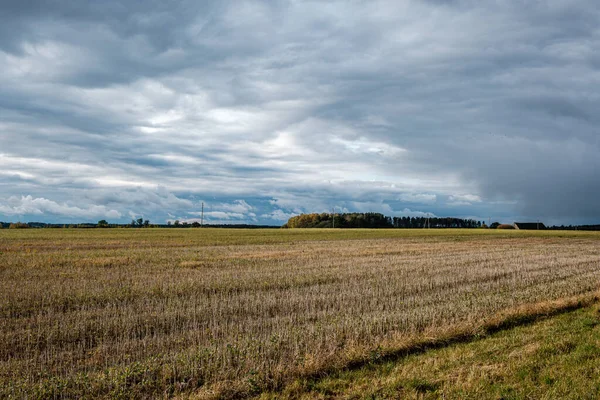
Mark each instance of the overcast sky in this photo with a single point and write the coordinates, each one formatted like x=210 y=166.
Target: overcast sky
x=265 y=109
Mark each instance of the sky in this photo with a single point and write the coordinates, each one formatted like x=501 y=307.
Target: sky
x=266 y=109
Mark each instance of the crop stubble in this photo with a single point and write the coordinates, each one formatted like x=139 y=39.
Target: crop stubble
x=160 y=312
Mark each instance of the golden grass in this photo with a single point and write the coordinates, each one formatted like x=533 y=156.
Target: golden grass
x=146 y=313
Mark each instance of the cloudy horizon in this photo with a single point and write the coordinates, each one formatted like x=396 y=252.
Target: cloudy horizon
x=266 y=109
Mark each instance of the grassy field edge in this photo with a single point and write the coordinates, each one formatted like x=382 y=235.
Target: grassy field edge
x=429 y=340
x=554 y=357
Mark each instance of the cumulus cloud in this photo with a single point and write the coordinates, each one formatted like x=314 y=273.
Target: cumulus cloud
x=463 y=199
x=221 y=215
x=238 y=206
x=279 y=215
x=238 y=211
x=457 y=108
x=415 y=213
x=370 y=206
x=27 y=205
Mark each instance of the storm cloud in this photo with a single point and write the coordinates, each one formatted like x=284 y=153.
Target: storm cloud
x=265 y=109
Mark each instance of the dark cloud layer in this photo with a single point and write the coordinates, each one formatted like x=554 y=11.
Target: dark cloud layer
x=263 y=109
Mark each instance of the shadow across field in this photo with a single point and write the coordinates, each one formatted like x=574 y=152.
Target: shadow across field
x=549 y=354
x=523 y=316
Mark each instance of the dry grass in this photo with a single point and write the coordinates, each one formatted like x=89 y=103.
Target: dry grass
x=147 y=313
x=553 y=358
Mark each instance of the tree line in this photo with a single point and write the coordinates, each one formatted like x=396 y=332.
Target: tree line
x=376 y=220
x=349 y=220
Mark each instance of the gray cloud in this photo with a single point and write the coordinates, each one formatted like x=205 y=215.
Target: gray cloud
x=271 y=108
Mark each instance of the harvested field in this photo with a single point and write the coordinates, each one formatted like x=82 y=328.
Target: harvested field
x=553 y=358
x=215 y=312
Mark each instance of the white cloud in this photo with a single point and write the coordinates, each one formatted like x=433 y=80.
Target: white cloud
x=366 y=146
x=414 y=213
x=222 y=215
x=238 y=206
x=463 y=199
x=236 y=210
x=142 y=199
x=279 y=215
x=27 y=205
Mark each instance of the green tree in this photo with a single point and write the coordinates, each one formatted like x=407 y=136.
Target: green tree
x=102 y=223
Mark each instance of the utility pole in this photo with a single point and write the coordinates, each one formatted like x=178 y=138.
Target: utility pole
x=333 y=217
x=202 y=216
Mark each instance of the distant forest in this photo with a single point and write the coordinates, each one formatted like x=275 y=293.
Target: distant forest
x=376 y=220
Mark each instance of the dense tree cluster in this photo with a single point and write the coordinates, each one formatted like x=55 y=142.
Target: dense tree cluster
x=434 y=222
x=18 y=225
x=136 y=223
x=349 y=220
x=375 y=220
